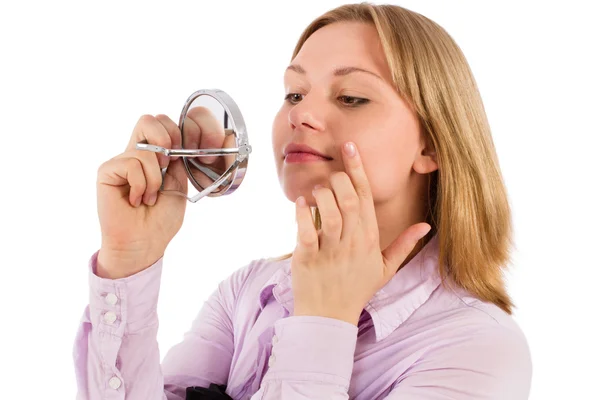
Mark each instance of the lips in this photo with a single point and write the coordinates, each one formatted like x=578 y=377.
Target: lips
x=303 y=148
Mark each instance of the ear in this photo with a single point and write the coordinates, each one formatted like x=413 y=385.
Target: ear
x=426 y=160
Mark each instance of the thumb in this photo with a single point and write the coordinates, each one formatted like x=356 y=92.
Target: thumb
x=399 y=249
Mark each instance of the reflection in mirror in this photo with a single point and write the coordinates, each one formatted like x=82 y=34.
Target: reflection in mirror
x=207 y=125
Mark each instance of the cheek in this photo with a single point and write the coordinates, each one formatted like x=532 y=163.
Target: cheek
x=278 y=135
x=387 y=163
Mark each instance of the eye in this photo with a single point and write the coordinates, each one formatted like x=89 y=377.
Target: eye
x=348 y=101
x=293 y=98
x=353 y=101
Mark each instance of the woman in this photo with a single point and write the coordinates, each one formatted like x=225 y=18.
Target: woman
x=367 y=307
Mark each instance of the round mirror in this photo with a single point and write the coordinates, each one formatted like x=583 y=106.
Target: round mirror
x=211 y=122
x=215 y=148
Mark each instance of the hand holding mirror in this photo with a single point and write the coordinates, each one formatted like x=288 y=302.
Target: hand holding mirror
x=215 y=147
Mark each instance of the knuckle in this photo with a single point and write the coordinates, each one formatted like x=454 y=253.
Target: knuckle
x=145 y=120
x=363 y=192
x=103 y=166
x=133 y=163
x=371 y=239
x=107 y=165
x=331 y=222
x=349 y=203
x=306 y=238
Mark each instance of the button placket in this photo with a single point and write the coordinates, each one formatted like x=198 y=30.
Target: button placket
x=274 y=341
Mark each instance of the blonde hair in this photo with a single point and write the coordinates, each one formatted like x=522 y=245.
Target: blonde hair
x=468 y=204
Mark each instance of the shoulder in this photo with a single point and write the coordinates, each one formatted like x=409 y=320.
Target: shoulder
x=479 y=339
x=254 y=275
x=476 y=321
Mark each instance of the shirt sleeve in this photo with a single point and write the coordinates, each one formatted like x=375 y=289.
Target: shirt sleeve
x=312 y=358
x=490 y=365
x=116 y=353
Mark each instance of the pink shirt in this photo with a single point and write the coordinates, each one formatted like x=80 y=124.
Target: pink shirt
x=415 y=340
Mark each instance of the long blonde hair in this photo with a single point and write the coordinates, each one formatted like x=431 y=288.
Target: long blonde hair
x=468 y=204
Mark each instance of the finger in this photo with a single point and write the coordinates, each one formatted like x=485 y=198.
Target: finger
x=356 y=172
x=176 y=176
x=307 y=239
x=210 y=130
x=395 y=254
x=173 y=131
x=127 y=173
x=228 y=143
x=347 y=202
x=152 y=173
x=331 y=219
x=150 y=130
x=191 y=134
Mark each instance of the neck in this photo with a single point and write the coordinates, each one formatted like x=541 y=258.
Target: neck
x=398 y=214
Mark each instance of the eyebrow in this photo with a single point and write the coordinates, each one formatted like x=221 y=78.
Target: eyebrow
x=341 y=71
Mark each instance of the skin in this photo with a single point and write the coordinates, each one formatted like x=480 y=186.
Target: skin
x=393 y=151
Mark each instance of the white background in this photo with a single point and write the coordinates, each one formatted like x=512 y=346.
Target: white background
x=75 y=77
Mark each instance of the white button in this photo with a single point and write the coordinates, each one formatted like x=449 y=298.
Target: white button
x=274 y=340
x=271 y=360
x=114 y=382
x=111 y=299
x=110 y=317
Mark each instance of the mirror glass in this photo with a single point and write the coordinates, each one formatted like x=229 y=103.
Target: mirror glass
x=207 y=125
x=215 y=147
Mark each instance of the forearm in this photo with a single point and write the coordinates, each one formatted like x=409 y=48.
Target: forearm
x=312 y=358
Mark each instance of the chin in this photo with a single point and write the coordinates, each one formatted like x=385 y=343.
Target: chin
x=292 y=193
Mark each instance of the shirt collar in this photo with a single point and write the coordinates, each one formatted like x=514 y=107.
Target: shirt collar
x=391 y=305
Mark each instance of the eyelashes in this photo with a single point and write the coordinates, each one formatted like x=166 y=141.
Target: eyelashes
x=347 y=101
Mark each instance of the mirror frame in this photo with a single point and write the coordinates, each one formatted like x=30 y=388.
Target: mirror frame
x=231 y=179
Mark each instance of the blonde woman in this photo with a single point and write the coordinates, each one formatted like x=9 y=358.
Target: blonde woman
x=394 y=289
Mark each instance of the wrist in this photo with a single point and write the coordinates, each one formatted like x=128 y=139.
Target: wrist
x=351 y=318
x=117 y=263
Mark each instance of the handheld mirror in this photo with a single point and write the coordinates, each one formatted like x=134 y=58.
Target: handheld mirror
x=215 y=147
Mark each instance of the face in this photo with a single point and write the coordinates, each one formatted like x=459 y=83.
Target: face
x=329 y=101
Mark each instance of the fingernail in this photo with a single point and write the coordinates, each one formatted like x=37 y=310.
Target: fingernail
x=301 y=201
x=152 y=199
x=138 y=201
x=350 y=149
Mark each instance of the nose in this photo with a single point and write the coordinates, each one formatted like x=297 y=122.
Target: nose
x=307 y=115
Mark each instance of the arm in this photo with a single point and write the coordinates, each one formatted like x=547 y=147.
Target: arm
x=312 y=360
x=492 y=365
x=121 y=360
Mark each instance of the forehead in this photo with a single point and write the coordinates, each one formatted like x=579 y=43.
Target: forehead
x=343 y=44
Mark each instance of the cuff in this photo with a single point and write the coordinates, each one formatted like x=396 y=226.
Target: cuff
x=313 y=348
x=126 y=304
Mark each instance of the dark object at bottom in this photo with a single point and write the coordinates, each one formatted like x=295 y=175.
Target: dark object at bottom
x=214 y=392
